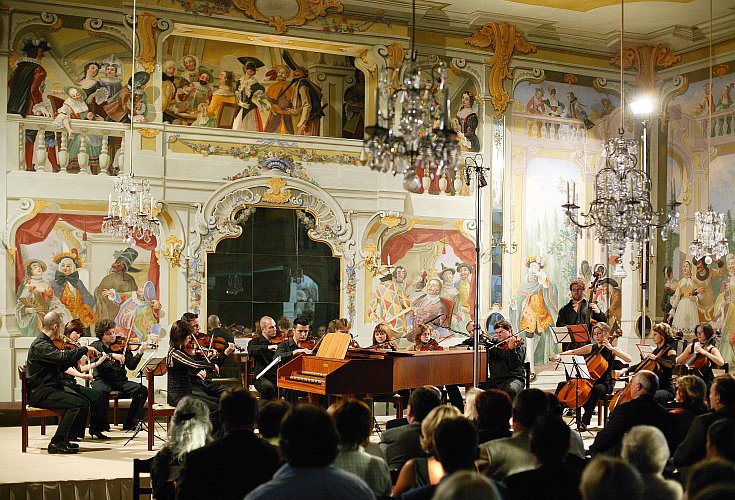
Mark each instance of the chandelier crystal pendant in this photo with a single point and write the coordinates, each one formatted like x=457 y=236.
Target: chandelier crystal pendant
x=412 y=130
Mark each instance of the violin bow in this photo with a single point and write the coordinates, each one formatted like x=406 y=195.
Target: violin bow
x=127 y=339
x=204 y=353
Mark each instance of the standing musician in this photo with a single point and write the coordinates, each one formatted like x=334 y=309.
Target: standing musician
x=664 y=357
x=263 y=351
x=44 y=367
x=577 y=311
x=702 y=354
x=202 y=387
x=425 y=341
x=603 y=385
x=111 y=376
x=505 y=358
x=182 y=364
x=383 y=337
x=98 y=407
x=293 y=347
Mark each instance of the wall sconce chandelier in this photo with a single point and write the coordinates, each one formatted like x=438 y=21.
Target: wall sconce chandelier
x=404 y=138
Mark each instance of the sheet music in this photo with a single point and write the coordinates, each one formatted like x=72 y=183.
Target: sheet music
x=644 y=349
x=572 y=363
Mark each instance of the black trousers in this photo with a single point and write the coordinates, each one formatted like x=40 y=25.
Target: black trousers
x=97 y=409
x=208 y=388
x=598 y=391
x=266 y=387
x=75 y=415
x=128 y=389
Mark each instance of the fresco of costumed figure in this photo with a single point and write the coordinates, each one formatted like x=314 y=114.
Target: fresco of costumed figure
x=35 y=299
x=250 y=97
x=223 y=94
x=307 y=99
x=537 y=305
x=430 y=306
x=70 y=290
x=119 y=279
x=684 y=301
x=76 y=108
x=280 y=94
x=390 y=303
x=140 y=311
x=724 y=319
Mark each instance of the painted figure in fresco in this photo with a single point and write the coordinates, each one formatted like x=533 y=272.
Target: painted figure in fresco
x=464 y=303
x=447 y=276
x=555 y=109
x=94 y=93
x=118 y=107
x=118 y=279
x=431 y=304
x=35 y=299
x=307 y=99
x=25 y=96
x=139 y=309
x=702 y=279
x=75 y=108
x=466 y=123
x=724 y=316
x=280 y=95
x=536 y=106
x=353 y=114
x=112 y=81
x=725 y=123
x=223 y=94
x=250 y=94
x=70 y=290
x=171 y=89
x=684 y=301
x=706 y=106
x=193 y=100
x=190 y=69
x=536 y=310
x=607 y=106
x=390 y=303
x=669 y=291
x=576 y=111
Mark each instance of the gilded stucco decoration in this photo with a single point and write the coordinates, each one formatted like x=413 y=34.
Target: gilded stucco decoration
x=504 y=40
x=147 y=25
x=308 y=10
x=720 y=70
x=276 y=192
x=646 y=59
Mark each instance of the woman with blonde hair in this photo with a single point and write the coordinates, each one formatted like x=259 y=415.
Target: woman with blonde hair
x=383 y=337
x=422 y=471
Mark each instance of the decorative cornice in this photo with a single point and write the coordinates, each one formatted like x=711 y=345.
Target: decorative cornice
x=646 y=59
x=308 y=11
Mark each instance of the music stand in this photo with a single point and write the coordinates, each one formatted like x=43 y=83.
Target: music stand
x=155 y=363
x=575 y=368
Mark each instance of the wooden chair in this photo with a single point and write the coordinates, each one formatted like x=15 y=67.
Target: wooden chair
x=603 y=404
x=527 y=369
x=154 y=409
x=27 y=412
x=140 y=467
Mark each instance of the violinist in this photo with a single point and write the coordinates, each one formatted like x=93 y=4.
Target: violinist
x=505 y=358
x=97 y=403
x=343 y=325
x=383 y=337
x=202 y=387
x=664 y=359
x=111 y=375
x=701 y=354
x=578 y=311
x=300 y=343
x=263 y=351
x=603 y=385
x=424 y=341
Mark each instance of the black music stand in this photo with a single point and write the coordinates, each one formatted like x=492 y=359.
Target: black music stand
x=575 y=368
x=152 y=363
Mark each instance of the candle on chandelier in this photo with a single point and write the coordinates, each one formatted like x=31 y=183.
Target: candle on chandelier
x=574 y=188
x=140 y=202
x=388 y=260
x=567 y=192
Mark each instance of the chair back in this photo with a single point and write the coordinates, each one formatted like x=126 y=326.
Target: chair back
x=23 y=385
x=140 y=467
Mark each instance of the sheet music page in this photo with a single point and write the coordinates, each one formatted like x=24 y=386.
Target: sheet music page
x=644 y=349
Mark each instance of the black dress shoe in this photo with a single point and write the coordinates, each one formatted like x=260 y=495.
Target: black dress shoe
x=60 y=448
x=99 y=435
x=76 y=438
x=73 y=446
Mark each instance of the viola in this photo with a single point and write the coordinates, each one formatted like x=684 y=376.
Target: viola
x=431 y=345
x=697 y=361
x=64 y=342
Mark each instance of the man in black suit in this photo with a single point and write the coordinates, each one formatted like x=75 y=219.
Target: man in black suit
x=642 y=410
x=239 y=461
x=402 y=443
x=577 y=311
x=722 y=402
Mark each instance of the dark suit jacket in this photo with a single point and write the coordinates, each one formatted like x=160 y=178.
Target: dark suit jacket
x=641 y=411
x=693 y=448
x=228 y=468
x=552 y=481
x=402 y=443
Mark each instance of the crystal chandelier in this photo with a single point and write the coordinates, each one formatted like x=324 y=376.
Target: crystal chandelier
x=130 y=211
x=412 y=135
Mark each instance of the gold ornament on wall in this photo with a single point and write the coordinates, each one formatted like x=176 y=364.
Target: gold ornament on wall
x=308 y=10
x=720 y=70
x=147 y=25
x=172 y=250
x=646 y=60
x=504 y=40
x=276 y=193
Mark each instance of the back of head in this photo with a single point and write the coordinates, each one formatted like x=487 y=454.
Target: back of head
x=238 y=409
x=550 y=439
x=645 y=448
x=189 y=317
x=529 y=405
x=432 y=421
x=50 y=319
x=213 y=322
x=494 y=409
x=716 y=492
x=422 y=400
x=721 y=439
x=74 y=326
x=190 y=427
x=270 y=416
x=707 y=473
x=648 y=381
x=353 y=421
x=608 y=478
x=466 y=485
x=470 y=403
x=455 y=444
x=308 y=437
x=179 y=330
x=725 y=387
x=693 y=390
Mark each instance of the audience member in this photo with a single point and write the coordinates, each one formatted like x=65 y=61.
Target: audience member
x=309 y=443
x=500 y=458
x=494 y=410
x=421 y=471
x=354 y=424
x=238 y=462
x=721 y=440
x=190 y=429
x=690 y=402
x=402 y=443
x=641 y=410
x=470 y=403
x=269 y=419
x=722 y=404
x=716 y=492
x=577 y=454
x=707 y=473
x=608 y=478
x=455 y=443
x=645 y=448
x=465 y=485
x=552 y=479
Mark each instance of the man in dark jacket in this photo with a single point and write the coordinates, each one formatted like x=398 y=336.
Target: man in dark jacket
x=239 y=461
x=577 y=312
x=263 y=352
x=45 y=365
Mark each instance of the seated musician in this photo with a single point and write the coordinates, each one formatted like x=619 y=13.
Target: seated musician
x=45 y=363
x=664 y=359
x=343 y=325
x=202 y=387
x=293 y=347
x=181 y=364
x=505 y=358
x=214 y=329
x=383 y=337
x=98 y=404
x=263 y=351
x=424 y=341
x=111 y=376
x=702 y=354
x=604 y=384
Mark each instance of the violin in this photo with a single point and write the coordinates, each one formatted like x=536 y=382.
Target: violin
x=698 y=361
x=309 y=342
x=65 y=342
x=431 y=345
x=215 y=342
x=194 y=350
